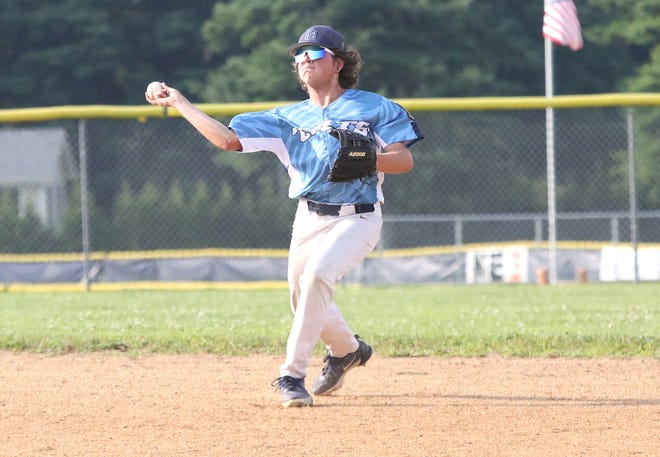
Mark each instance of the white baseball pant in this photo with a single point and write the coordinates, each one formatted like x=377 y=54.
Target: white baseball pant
x=323 y=249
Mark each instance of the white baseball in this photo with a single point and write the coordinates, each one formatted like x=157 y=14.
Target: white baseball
x=154 y=89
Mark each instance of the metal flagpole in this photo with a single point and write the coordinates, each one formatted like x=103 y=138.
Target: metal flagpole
x=550 y=164
x=560 y=25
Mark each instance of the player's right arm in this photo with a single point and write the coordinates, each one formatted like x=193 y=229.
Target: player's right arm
x=216 y=132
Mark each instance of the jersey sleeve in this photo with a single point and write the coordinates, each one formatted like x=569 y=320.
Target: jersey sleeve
x=396 y=124
x=258 y=131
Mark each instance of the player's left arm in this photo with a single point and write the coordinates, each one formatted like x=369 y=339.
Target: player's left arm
x=395 y=159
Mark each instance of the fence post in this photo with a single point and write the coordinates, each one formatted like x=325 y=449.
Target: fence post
x=632 y=191
x=614 y=230
x=458 y=232
x=84 y=207
x=538 y=230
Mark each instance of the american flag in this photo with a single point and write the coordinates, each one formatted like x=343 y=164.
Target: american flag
x=561 y=24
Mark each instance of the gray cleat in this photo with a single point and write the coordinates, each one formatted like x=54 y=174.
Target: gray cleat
x=293 y=392
x=332 y=375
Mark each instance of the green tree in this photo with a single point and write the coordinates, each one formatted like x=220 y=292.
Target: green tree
x=637 y=26
x=82 y=52
x=23 y=234
x=235 y=50
x=101 y=231
x=412 y=48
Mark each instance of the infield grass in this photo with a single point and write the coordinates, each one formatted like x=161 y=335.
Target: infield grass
x=571 y=320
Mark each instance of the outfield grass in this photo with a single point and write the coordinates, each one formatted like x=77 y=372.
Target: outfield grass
x=571 y=320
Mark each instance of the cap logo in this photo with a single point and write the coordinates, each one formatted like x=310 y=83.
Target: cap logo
x=310 y=35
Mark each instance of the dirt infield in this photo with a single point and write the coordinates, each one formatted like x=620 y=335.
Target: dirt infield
x=203 y=405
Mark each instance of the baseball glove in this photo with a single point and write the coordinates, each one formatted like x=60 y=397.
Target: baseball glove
x=356 y=158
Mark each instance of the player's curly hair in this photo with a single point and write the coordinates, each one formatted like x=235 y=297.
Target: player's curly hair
x=349 y=74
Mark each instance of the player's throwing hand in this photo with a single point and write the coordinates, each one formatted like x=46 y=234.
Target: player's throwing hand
x=159 y=93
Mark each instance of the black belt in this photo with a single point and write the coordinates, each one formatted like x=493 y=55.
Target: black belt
x=327 y=209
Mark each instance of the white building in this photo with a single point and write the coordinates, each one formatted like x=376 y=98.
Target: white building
x=36 y=163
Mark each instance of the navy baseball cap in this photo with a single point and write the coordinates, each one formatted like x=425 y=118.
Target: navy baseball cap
x=319 y=35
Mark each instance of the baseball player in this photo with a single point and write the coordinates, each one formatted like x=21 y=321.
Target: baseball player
x=336 y=146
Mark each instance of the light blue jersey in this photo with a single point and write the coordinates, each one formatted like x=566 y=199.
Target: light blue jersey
x=299 y=135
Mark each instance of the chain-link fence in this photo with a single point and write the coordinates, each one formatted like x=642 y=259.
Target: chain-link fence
x=152 y=187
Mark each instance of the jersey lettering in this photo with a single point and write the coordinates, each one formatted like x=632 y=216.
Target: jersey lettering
x=361 y=127
x=307 y=134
